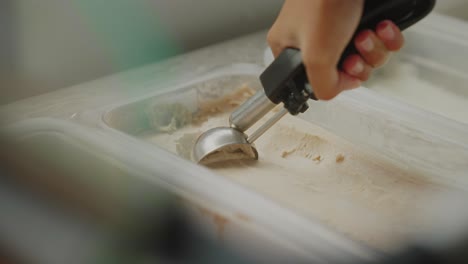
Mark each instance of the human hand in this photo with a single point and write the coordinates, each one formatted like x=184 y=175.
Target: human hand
x=322 y=29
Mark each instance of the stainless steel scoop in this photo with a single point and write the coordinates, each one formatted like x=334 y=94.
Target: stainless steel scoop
x=229 y=143
x=285 y=81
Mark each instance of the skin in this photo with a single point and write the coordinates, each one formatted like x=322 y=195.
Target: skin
x=322 y=29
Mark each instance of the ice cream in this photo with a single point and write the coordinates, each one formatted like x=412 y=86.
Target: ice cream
x=317 y=174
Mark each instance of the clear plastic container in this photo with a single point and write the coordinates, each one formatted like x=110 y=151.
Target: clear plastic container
x=409 y=141
x=124 y=173
x=392 y=135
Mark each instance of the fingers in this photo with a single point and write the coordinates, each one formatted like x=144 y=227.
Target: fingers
x=327 y=81
x=355 y=66
x=372 y=49
x=390 y=35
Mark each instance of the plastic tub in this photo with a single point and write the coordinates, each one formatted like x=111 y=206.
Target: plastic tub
x=126 y=174
x=390 y=135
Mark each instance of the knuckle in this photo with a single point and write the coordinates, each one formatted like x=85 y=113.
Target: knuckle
x=324 y=95
x=376 y=58
x=396 y=45
x=366 y=76
x=380 y=59
x=271 y=38
x=399 y=45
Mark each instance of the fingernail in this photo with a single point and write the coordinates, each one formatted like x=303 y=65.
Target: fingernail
x=387 y=32
x=357 y=68
x=367 y=44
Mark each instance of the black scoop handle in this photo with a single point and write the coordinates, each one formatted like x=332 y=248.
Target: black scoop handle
x=286 y=75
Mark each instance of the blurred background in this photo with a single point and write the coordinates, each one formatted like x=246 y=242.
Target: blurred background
x=51 y=44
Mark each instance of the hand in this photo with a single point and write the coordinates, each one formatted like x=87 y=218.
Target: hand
x=322 y=29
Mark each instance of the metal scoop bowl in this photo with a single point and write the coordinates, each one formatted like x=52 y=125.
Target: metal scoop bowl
x=230 y=143
x=223 y=144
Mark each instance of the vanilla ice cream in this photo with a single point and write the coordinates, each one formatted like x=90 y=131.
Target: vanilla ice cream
x=317 y=174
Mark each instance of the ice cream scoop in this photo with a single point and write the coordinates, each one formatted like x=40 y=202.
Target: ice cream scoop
x=285 y=82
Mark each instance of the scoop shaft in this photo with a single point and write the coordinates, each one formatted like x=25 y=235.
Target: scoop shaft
x=251 y=111
x=267 y=125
